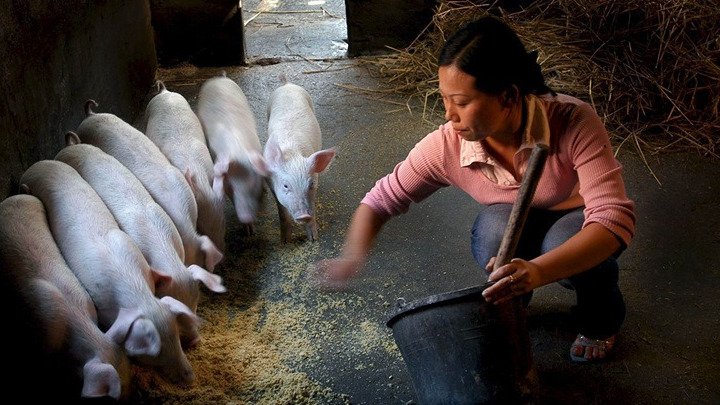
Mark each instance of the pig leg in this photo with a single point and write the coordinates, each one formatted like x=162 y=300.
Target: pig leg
x=311 y=229
x=286 y=222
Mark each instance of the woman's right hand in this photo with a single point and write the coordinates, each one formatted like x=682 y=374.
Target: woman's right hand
x=334 y=274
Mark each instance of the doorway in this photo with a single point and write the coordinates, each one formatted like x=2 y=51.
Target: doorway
x=281 y=30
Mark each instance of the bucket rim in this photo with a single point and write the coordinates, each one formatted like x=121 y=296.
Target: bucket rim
x=402 y=308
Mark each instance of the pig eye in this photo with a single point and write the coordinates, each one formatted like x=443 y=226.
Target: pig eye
x=286 y=188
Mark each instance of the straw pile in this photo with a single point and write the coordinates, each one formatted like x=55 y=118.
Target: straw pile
x=650 y=68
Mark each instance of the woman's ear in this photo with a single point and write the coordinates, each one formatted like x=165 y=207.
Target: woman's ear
x=510 y=96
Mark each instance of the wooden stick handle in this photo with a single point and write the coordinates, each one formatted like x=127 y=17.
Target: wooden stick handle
x=520 y=209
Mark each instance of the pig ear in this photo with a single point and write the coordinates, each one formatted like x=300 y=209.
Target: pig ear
x=220 y=170
x=213 y=255
x=161 y=280
x=212 y=281
x=100 y=380
x=178 y=308
x=121 y=326
x=273 y=154
x=320 y=160
x=143 y=339
x=258 y=162
x=135 y=333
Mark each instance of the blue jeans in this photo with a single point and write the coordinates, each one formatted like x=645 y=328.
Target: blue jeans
x=600 y=309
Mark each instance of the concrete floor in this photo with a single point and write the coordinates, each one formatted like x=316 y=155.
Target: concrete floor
x=294 y=30
x=667 y=351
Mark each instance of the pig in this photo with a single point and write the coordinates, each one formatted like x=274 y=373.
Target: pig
x=231 y=132
x=145 y=222
x=165 y=182
x=172 y=125
x=112 y=269
x=55 y=298
x=37 y=320
x=294 y=157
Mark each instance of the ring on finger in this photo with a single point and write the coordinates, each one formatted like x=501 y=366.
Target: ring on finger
x=512 y=279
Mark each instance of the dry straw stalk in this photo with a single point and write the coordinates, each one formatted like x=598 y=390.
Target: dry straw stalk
x=650 y=68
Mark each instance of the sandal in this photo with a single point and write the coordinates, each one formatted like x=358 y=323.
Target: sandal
x=604 y=346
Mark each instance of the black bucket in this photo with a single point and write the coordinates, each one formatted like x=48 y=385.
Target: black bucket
x=460 y=350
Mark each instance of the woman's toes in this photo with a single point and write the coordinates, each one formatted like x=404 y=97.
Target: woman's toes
x=592 y=349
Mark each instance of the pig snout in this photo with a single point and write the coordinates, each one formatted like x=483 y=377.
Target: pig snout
x=304 y=218
x=185 y=376
x=299 y=208
x=190 y=343
x=188 y=377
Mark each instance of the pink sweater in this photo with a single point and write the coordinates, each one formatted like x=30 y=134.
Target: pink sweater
x=580 y=168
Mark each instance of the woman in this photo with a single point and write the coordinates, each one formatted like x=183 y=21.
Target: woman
x=498 y=107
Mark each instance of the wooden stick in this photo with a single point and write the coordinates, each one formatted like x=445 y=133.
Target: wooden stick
x=520 y=209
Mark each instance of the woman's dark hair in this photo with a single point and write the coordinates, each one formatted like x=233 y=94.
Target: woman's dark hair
x=490 y=51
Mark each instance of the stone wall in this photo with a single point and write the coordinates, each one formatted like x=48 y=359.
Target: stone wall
x=54 y=56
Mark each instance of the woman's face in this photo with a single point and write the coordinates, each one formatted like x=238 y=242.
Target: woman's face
x=474 y=115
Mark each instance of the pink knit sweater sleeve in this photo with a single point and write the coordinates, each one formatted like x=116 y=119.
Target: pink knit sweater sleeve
x=412 y=180
x=600 y=175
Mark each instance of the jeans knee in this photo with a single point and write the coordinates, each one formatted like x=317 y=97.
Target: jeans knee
x=563 y=229
x=603 y=276
x=487 y=232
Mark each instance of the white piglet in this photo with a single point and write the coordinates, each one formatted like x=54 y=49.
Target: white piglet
x=294 y=157
x=165 y=183
x=112 y=269
x=172 y=125
x=145 y=222
x=52 y=294
x=231 y=132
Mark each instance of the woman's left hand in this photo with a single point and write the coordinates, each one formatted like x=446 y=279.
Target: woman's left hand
x=511 y=280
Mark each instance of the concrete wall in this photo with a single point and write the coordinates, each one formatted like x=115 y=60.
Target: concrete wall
x=54 y=55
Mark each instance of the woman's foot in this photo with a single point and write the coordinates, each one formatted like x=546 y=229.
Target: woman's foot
x=586 y=349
